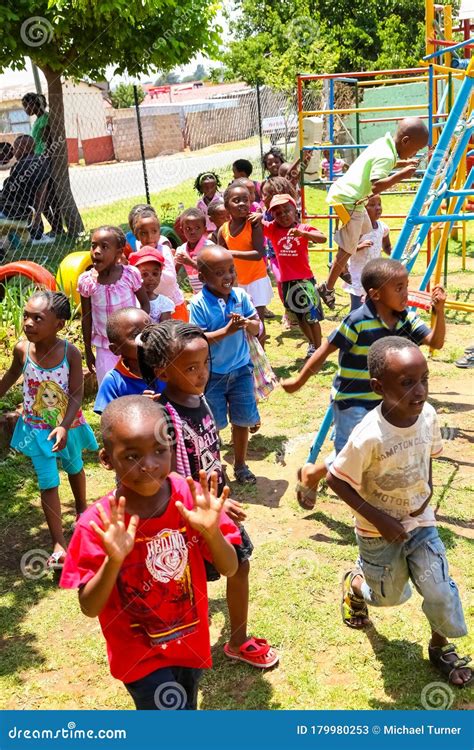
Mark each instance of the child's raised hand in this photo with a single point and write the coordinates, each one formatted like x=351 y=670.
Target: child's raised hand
x=181 y=256
x=117 y=541
x=59 y=435
x=234 y=510
x=255 y=217
x=438 y=297
x=294 y=232
x=206 y=512
x=152 y=395
x=364 y=244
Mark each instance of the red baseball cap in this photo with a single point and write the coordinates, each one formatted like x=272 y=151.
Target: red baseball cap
x=281 y=199
x=146 y=254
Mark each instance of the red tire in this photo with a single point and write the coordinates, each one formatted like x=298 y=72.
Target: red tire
x=29 y=270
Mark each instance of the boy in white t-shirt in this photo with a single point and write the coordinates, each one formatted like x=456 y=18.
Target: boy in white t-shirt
x=384 y=474
x=370 y=246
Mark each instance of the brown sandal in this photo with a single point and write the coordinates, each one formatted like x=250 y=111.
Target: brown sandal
x=306 y=496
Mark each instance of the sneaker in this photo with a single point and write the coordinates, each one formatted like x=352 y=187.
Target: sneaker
x=310 y=352
x=469 y=349
x=327 y=295
x=44 y=240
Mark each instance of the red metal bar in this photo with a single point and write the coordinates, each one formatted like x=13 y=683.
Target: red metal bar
x=446 y=43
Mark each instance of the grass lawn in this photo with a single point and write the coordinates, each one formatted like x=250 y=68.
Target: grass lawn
x=54 y=658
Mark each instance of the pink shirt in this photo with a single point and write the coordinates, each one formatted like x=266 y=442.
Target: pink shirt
x=202 y=205
x=106 y=298
x=192 y=273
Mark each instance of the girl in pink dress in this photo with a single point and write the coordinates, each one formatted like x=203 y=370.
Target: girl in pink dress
x=107 y=287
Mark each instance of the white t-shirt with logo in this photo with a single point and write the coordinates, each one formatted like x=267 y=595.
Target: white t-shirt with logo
x=160 y=305
x=359 y=259
x=389 y=467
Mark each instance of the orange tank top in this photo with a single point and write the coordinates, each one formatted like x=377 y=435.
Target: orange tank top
x=247 y=270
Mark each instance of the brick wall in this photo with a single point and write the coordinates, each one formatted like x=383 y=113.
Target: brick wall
x=219 y=126
x=161 y=135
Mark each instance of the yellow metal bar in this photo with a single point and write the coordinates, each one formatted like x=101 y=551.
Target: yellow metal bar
x=400 y=108
x=448 y=31
x=429 y=26
x=454 y=71
x=415 y=79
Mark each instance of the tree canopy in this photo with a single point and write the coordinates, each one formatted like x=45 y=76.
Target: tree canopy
x=123 y=95
x=273 y=42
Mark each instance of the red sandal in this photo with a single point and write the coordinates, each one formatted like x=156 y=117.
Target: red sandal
x=256 y=651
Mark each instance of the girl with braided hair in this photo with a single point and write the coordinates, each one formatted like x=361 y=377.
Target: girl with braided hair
x=178 y=354
x=207 y=184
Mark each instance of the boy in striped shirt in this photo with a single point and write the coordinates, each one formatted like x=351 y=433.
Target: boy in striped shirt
x=385 y=282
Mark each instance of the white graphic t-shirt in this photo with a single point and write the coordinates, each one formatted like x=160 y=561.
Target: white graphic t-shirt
x=359 y=260
x=389 y=467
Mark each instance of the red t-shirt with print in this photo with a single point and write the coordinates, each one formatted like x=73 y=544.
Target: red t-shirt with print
x=291 y=252
x=157 y=613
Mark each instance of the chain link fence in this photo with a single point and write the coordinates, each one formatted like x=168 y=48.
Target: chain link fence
x=103 y=160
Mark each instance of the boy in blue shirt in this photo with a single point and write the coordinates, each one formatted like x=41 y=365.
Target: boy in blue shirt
x=225 y=314
x=123 y=326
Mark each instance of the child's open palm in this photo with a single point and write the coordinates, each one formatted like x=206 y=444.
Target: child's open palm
x=207 y=506
x=117 y=540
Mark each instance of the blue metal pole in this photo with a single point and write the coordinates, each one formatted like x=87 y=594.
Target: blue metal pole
x=439 y=153
x=320 y=437
x=431 y=81
x=331 y=163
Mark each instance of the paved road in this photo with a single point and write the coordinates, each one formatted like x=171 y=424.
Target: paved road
x=101 y=184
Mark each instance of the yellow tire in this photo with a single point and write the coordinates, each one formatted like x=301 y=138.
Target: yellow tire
x=69 y=271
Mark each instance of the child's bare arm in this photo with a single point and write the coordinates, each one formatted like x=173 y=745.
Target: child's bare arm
x=14 y=371
x=313 y=236
x=142 y=297
x=86 y=324
x=258 y=251
x=379 y=186
x=391 y=529
x=236 y=323
x=76 y=394
x=435 y=338
x=253 y=325
x=117 y=542
x=205 y=518
x=312 y=366
x=220 y=238
x=387 y=245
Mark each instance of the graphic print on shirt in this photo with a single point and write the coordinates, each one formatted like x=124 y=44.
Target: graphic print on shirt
x=163 y=607
x=202 y=445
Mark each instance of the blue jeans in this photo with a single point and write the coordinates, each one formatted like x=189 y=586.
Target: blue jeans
x=388 y=568
x=344 y=422
x=234 y=394
x=167 y=689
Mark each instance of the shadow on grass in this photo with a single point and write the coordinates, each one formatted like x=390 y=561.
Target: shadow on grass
x=25 y=545
x=267 y=492
x=231 y=684
x=445 y=407
x=344 y=531
x=406 y=673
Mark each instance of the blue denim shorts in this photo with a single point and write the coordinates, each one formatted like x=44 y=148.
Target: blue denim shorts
x=233 y=396
x=389 y=567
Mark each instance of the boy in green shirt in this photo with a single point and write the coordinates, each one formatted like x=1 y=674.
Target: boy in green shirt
x=370 y=175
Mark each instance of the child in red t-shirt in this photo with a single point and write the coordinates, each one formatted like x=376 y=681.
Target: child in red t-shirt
x=137 y=557
x=290 y=242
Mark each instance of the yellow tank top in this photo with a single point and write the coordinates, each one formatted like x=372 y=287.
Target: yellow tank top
x=247 y=270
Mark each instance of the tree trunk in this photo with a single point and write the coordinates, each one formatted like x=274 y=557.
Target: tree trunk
x=58 y=153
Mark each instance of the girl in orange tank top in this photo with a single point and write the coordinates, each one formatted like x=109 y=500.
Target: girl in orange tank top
x=244 y=240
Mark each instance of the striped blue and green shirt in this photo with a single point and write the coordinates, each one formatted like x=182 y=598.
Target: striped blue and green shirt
x=353 y=338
